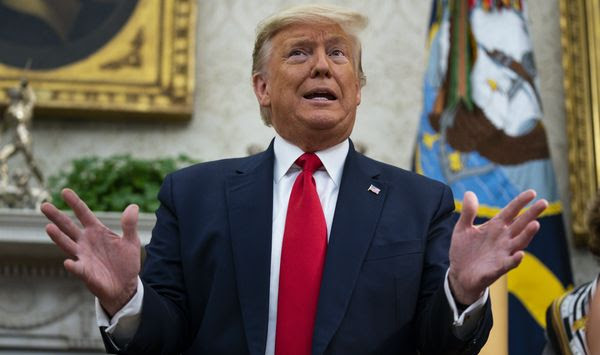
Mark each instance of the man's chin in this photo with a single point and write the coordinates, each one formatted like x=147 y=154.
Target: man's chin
x=322 y=123
x=324 y=119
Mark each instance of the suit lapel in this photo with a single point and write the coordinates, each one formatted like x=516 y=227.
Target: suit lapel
x=355 y=219
x=250 y=205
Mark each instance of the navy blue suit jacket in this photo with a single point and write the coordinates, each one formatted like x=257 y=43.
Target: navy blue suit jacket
x=206 y=274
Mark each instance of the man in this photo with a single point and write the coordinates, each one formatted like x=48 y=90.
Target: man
x=253 y=255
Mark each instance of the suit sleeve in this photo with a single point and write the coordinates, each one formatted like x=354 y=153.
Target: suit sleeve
x=163 y=328
x=435 y=320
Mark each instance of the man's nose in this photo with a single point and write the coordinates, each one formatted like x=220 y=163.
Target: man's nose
x=321 y=67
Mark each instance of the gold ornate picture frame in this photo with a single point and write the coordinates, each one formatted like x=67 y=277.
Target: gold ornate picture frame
x=144 y=69
x=580 y=28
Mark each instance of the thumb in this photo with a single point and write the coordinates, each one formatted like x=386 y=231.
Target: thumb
x=129 y=221
x=469 y=210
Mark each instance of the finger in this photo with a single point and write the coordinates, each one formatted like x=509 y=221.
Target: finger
x=530 y=215
x=469 y=210
x=129 y=221
x=61 y=240
x=514 y=260
x=515 y=206
x=74 y=267
x=79 y=207
x=61 y=220
x=522 y=240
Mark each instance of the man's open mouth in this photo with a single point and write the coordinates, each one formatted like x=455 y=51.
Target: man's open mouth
x=320 y=95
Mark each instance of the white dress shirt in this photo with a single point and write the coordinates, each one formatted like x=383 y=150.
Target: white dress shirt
x=124 y=323
x=327 y=179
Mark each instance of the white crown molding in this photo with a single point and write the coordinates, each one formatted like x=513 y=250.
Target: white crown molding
x=23 y=234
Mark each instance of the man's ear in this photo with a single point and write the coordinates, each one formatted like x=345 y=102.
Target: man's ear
x=261 y=89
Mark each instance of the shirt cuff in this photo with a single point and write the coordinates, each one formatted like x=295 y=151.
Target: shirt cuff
x=472 y=314
x=123 y=325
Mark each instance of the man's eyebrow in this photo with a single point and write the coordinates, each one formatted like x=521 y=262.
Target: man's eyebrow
x=299 y=42
x=305 y=42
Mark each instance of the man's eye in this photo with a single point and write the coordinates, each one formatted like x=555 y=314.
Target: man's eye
x=337 y=53
x=297 y=52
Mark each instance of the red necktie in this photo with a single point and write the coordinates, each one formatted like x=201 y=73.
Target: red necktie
x=302 y=260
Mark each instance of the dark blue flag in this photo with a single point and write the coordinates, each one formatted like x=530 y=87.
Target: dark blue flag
x=482 y=130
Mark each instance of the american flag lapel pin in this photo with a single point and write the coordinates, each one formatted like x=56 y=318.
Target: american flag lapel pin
x=374 y=189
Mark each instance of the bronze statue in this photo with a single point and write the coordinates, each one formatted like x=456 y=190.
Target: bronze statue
x=16 y=190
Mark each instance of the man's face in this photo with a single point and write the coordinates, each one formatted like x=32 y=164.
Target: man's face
x=311 y=85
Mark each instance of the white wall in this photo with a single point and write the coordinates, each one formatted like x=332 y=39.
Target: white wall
x=226 y=119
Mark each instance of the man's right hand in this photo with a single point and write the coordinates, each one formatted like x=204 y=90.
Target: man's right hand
x=107 y=263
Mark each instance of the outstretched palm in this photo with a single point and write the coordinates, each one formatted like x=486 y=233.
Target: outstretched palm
x=479 y=255
x=107 y=263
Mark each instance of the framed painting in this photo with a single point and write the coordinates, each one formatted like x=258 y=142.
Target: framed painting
x=580 y=27
x=101 y=58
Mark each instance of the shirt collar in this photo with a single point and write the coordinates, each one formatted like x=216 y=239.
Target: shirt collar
x=333 y=158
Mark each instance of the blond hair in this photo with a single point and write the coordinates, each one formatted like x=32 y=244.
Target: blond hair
x=350 y=21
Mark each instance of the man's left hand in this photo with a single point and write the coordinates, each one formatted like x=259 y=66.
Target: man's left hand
x=479 y=255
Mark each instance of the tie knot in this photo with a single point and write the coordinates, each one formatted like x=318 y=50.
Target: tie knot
x=309 y=162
